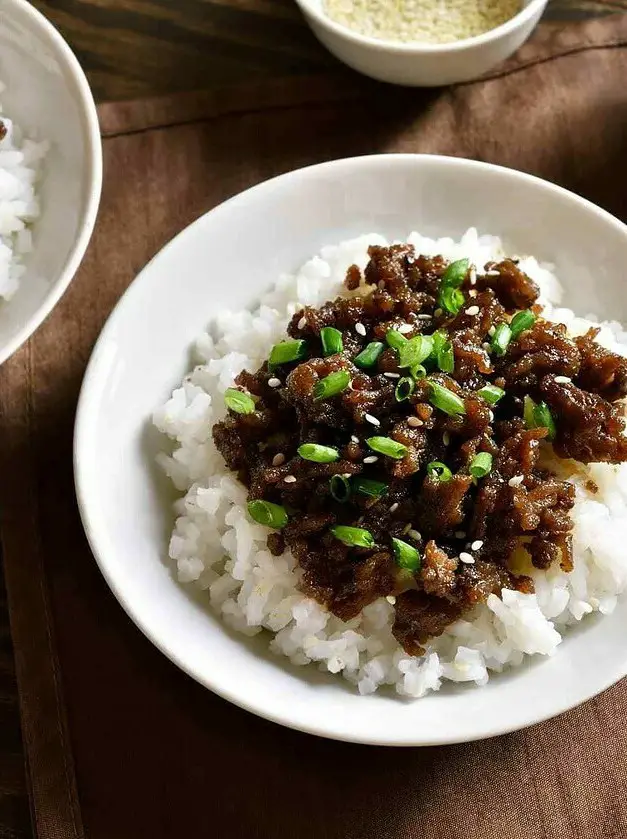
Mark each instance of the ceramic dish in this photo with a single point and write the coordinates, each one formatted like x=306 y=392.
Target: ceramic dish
x=422 y=65
x=143 y=353
x=48 y=96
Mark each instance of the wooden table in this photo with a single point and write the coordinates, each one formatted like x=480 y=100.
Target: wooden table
x=135 y=48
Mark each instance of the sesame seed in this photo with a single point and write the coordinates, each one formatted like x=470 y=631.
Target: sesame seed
x=407 y=528
x=472 y=310
x=404 y=328
x=472 y=279
x=562 y=380
x=425 y=317
x=302 y=323
x=372 y=458
x=354 y=439
x=486 y=346
x=492 y=273
x=394 y=507
x=467 y=558
x=491 y=331
x=491 y=413
x=278 y=459
x=289 y=479
x=372 y=420
x=360 y=329
x=460 y=534
x=472 y=292
x=478 y=543
x=414 y=422
x=414 y=534
x=446 y=438
x=381 y=284
x=392 y=375
x=274 y=382
x=437 y=313
x=391 y=599
x=516 y=481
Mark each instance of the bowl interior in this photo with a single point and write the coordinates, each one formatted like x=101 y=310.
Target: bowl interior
x=143 y=353
x=47 y=96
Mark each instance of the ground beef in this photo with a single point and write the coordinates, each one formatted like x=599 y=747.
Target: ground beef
x=463 y=528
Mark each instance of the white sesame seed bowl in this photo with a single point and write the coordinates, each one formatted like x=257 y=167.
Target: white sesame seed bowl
x=125 y=499
x=416 y=63
x=50 y=170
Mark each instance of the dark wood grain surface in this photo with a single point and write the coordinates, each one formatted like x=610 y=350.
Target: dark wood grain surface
x=135 y=48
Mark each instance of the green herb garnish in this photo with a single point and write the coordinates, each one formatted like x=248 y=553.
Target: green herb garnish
x=355 y=537
x=480 y=465
x=501 y=338
x=366 y=486
x=387 y=446
x=444 y=399
x=520 y=322
x=331 y=340
x=340 y=488
x=317 y=453
x=406 y=555
x=287 y=351
x=332 y=384
x=369 y=355
x=237 y=401
x=268 y=514
x=404 y=388
x=491 y=394
x=439 y=470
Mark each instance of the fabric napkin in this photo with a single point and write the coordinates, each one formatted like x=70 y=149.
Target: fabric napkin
x=121 y=744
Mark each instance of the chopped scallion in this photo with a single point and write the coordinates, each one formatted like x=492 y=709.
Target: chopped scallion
x=404 y=389
x=365 y=486
x=353 y=536
x=520 y=322
x=332 y=384
x=331 y=340
x=543 y=418
x=268 y=514
x=439 y=470
x=340 y=488
x=414 y=351
x=395 y=339
x=406 y=555
x=451 y=300
x=491 y=394
x=286 y=352
x=369 y=355
x=444 y=399
x=455 y=274
x=387 y=446
x=480 y=465
x=237 y=401
x=446 y=358
x=528 y=409
x=501 y=338
x=318 y=454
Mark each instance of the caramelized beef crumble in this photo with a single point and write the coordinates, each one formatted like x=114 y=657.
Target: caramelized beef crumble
x=457 y=488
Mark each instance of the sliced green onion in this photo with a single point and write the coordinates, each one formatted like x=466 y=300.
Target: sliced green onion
x=414 y=351
x=264 y=512
x=332 y=384
x=395 y=339
x=287 y=351
x=451 y=300
x=501 y=338
x=369 y=355
x=318 y=454
x=543 y=418
x=528 y=409
x=447 y=401
x=331 y=340
x=520 y=322
x=387 y=446
x=439 y=470
x=480 y=465
x=353 y=536
x=237 y=401
x=365 y=486
x=406 y=555
x=491 y=394
x=455 y=274
x=446 y=358
x=340 y=488
x=418 y=372
x=404 y=389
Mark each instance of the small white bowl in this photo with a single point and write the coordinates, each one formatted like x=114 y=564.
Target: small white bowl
x=143 y=353
x=48 y=96
x=417 y=64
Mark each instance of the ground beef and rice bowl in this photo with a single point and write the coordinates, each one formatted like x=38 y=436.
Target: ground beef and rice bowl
x=437 y=449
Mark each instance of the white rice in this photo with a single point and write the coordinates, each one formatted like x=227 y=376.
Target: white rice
x=217 y=547
x=20 y=162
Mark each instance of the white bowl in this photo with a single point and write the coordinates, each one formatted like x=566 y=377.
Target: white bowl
x=47 y=95
x=225 y=259
x=417 y=64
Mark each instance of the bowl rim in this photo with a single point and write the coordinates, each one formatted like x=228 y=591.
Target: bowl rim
x=418 y=48
x=93 y=186
x=94 y=528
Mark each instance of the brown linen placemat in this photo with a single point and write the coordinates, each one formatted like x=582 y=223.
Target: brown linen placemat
x=119 y=742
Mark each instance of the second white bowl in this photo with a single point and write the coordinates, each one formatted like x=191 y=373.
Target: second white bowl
x=417 y=64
